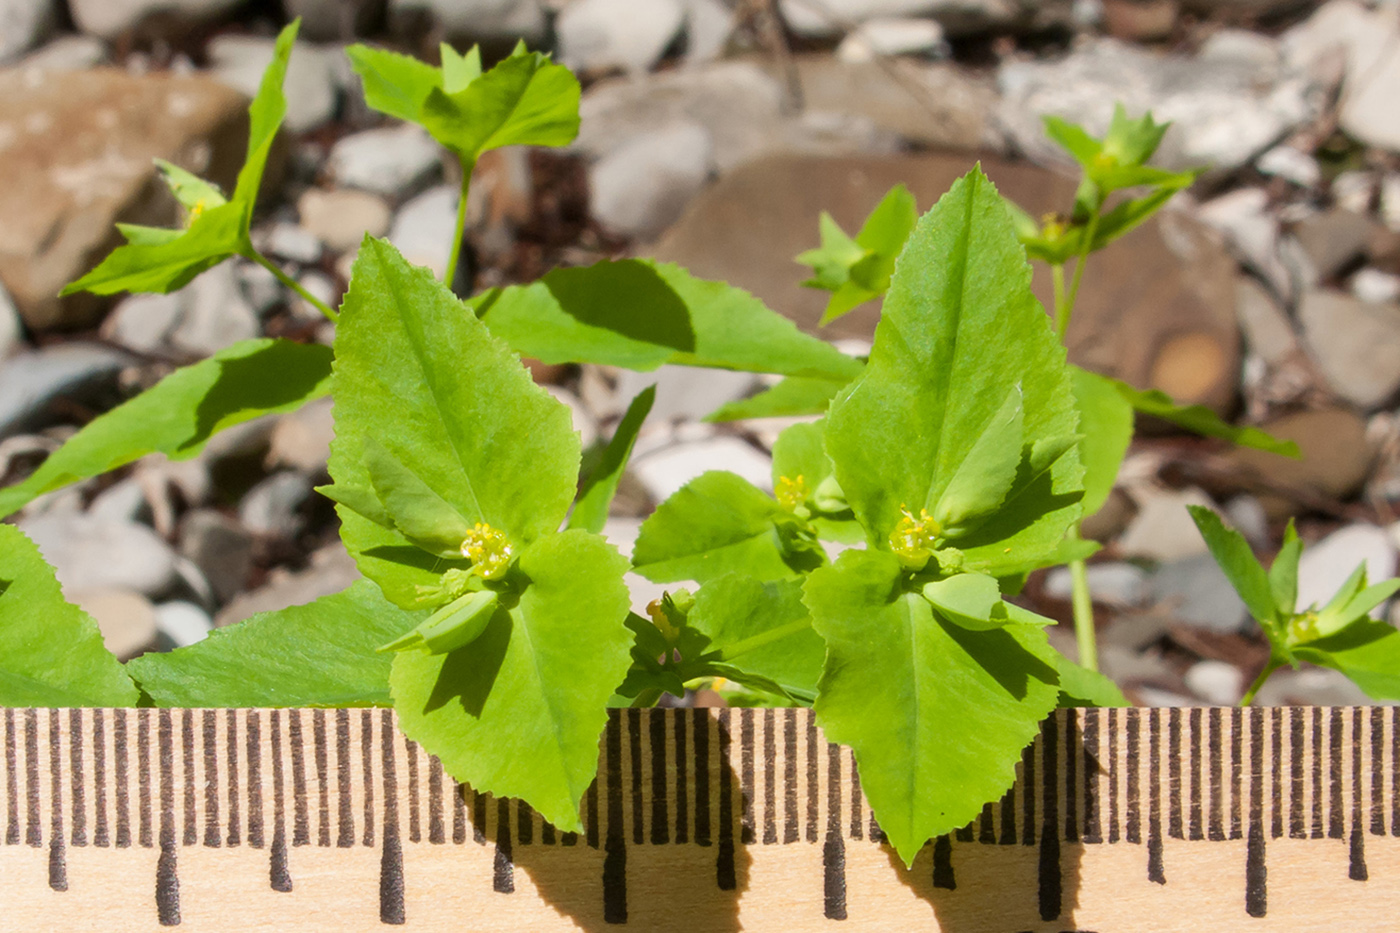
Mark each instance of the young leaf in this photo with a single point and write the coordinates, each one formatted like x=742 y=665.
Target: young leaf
x=1132 y=142
x=1243 y=569
x=193 y=192
x=1073 y=139
x=858 y=270
x=761 y=629
x=972 y=600
x=591 y=510
x=320 y=654
x=458 y=70
x=1202 y=420
x=960 y=331
x=638 y=314
x=179 y=414
x=419 y=373
x=417 y=512
x=805 y=478
x=937 y=714
x=831 y=262
x=1106 y=423
x=980 y=483
x=793 y=397
x=1367 y=652
x=395 y=84
x=51 y=652
x=717 y=523
x=1283 y=574
x=518 y=711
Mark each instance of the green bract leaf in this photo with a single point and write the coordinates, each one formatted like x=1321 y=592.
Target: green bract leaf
x=805 y=480
x=720 y=523
x=761 y=629
x=518 y=711
x=1132 y=142
x=1106 y=423
x=51 y=652
x=1074 y=139
x=320 y=654
x=458 y=70
x=1234 y=556
x=396 y=84
x=859 y=270
x=1283 y=574
x=453 y=626
x=831 y=262
x=1202 y=420
x=793 y=397
x=417 y=512
x=1367 y=652
x=937 y=714
x=179 y=414
x=193 y=192
x=591 y=510
x=980 y=483
x=960 y=331
x=416 y=371
x=972 y=600
x=638 y=314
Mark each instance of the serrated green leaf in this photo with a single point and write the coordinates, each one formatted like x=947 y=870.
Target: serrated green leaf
x=458 y=70
x=858 y=270
x=51 y=652
x=265 y=115
x=1283 y=573
x=831 y=262
x=179 y=414
x=793 y=397
x=960 y=330
x=193 y=192
x=591 y=511
x=639 y=314
x=717 y=523
x=321 y=654
x=1235 y=558
x=416 y=371
x=980 y=483
x=394 y=84
x=1074 y=139
x=1106 y=423
x=1202 y=420
x=1367 y=652
x=517 y=713
x=937 y=715
x=761 y=629
x=1080 y=686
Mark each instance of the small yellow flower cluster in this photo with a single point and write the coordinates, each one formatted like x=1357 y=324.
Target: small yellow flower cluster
x=791 y=493
x=489 y=550
x=913 y=538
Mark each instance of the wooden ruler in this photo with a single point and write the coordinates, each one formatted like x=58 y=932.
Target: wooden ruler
x=701 y=820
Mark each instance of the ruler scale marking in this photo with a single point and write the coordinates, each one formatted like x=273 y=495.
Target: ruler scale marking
x=58 y=859
x=1356 y=868
x=660 y=782
x=101 y=833
x=253 y=738
x=279 y=870
x=683 y=761
x=1174 y=824
x=345 y=814
x=834 y=847
x=78 y=819
x=1377 y=734
x=1156 y=870
x=1256 y=872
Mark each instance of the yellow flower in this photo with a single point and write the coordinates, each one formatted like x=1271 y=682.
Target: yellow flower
x=791 y=493
x=913 y=538
x=489 y=550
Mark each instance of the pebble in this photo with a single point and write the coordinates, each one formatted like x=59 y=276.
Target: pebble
x=395 y=162
x=66 y=53
x=1374 y=286
x=332 y=20
x=1354 y=344
x=285 y=240
x=1112 y=584
x=310 y=86
x=320 y=286
x=665 y=471
x=88 y=553
x=584 y=423
x=1196 y=591
x=11 y=329
x=1163 y=530
x=1336 y=457
x=142 y=323
x=1311 y=686
x=1326 y=565
x=684 y=393
x=1216 y=682
x=341 y=219
x=273 y=508
x=708 y=26
x=331 y=570
x=1290 y=164
x=123 y=501
x=30 y=381
x=1353 y=191
x=630 y=35
x=880 y=38
x=220 y=547
x=1246 y=514
x=108 y=19
x=1267 y=329
x=183 y=623
x=622 y=534
x=478 y=20
x=258 y=286
x=214 y=313
x=424 y=227
x=1252 y=232
x=126 y=618
x=23 y=23
x=302 y=438
x=640 y=188
x=1332 y=241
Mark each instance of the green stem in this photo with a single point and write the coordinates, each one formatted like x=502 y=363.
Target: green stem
x=1062 y=321
x=1273 y=665
x=1057 y=277
x=291 y=283
x=1084 y=635
x=450 y=273
x=647 y=698
x=764 y=638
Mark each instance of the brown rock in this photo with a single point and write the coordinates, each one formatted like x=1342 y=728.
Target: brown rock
x=1334 y=241
x=1336 y=460
x=127 y=619
x=1157 y=307
x=75 y=153
x=1140 y=20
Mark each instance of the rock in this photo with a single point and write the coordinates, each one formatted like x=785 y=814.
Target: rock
x=273 y=508
x=284 y=240
x=123 y=501
x=1243 y=46
x=75 y=153
x=1375 y=287
x=126 y=618
x=1336 y=458
x=1140 y=20
x=826 y=18
x=331 y=570
x=1290 y=164
x=319 y=286
x=202 y=318
x=67 y=53
x=108 y=19
x=1246 y=514
x=1223 y=112
x=1311 y=686
x=143 y=322
x=311 y=82
x=259 y=286
x=585 y=425
x=622 y=534
x=640 y=188
x=708 y=26
x=664 y=471
x=1355 y=190
x=1157 y=310
x=1332 y=241
x=1353 y=343
x=424 y=227
x=240 y=441
x=1196 y=591
x=1163 y=530
x=11 y=329
x=302 y=438
x=1371 y=74
x=879 y=38
x=1216 y=682
x=332 y=20
x=88 y=554
x=477 y=20
x=76 y=372
x=1326 y=565
x=1112 y=584
x=23 y=23
x=1267 y=330
x=1136 y=668
x=1252 y=231
x=393 y=161
x=220 y=547
x=631 y=35
x=342 y=219
x=183 y=623
x=684 y=393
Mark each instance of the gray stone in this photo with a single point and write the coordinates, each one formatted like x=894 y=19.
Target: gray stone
x=1326 y=565
x=1246 y=514
x=126 y=618
x=321 y=287
x=220 y=547
x=1112 y=584
x=1196 y=591
x=1332 y=241
x=393 y=161
x=684 y=393
x=87 y=553
x=631 y=35
x=110 y=18
x=640 y=188
x=1354 y=345
x=331 y=570
x=143 y=322
x=31 y=381
x=1223 y=112
x=708 y=26
x=585 y=425
x=23 y=23
x=11 y=329
x=663 y=472
x=1133 y=667
x=214 y=314
x=66 y=53
x=1374 y=286
x=1371 y=72
x=312 y=78
x=1354 y=190
x=1216 y=682
x=123 y=501
x=1312 y=686
x=478 y=20
x=259 y=286
x=1241 y=46
x=1163 y=530
x=183 y=623
x=331 y=20
x=827 y=18
x=273 y=508
x=1290 y=164
x=880 y=38
x=1252 y=232
x=622 y=534
x=424 y=227
x=342 y=219
x=284 y=240
x=1267 y=330
x=302 y=438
